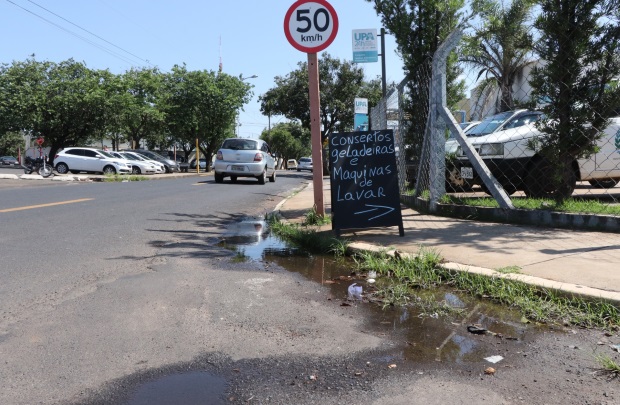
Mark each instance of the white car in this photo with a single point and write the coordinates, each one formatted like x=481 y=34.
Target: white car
x=138 y=166
x=305 y=163
x=241 y=157
x=518 y=166
x=291 y=164
x=494 y=123
x=159 y=167
x=92 y=160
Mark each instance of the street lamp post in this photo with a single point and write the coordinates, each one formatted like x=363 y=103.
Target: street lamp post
x=239 y=122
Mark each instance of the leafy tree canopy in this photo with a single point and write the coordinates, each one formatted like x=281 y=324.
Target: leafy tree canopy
x=289 y=140
x=580 y=42
x=340 y=82
x=500 y=48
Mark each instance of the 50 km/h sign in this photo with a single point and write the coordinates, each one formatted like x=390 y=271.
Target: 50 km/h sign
x=311 y=25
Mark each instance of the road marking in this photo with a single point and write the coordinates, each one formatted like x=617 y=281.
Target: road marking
x=31 y=207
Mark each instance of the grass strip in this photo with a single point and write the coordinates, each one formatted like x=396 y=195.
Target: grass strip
x=571 y=205
x=423 y=271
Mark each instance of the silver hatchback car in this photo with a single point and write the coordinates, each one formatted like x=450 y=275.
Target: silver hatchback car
x=240 y=157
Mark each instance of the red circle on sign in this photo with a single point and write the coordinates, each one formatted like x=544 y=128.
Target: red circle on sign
x=324 y=44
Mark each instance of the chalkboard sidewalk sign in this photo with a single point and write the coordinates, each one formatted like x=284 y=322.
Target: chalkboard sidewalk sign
x=364 y=181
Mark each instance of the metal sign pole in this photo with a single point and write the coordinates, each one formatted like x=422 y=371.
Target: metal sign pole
x=315 y=130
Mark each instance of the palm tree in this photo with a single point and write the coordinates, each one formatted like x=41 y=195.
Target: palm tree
x=500 y=48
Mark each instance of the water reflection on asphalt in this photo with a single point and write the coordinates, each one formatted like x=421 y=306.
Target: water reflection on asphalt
x=417 y=336
x=425 y=337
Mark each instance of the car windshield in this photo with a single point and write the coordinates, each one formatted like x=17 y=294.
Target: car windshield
x=142 y=156
x=490 y=124
x=156 y=156
x=240 y=144
x=106 y=154
x=130 y=157
x=305 y=160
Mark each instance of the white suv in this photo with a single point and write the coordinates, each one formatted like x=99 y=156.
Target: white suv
x=77 y=160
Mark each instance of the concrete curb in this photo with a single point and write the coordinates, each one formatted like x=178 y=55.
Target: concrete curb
x=555 y=219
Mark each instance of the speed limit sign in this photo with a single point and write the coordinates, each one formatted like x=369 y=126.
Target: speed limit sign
x=311 y=25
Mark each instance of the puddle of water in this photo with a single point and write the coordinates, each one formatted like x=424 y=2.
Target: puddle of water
x=195 y=388
x=425 y=337
x=252 y=238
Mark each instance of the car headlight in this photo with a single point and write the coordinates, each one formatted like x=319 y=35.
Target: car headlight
x=488 y=149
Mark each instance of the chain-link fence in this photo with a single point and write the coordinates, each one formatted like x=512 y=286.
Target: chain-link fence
x=506 y=142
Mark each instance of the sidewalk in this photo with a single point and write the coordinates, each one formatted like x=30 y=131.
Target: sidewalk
x=581 y=262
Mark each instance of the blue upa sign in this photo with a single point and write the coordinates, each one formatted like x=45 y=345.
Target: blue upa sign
x=365 y=46
x=364 y=180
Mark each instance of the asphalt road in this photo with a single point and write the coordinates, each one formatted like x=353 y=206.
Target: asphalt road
x=105 y=287
x=69 y=253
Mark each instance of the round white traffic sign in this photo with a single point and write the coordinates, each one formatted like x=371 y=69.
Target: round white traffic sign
x=311 y=25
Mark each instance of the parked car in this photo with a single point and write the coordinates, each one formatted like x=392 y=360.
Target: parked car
x=169 y=164
x=203 y=164
x=138 y=166
x=466 y=126
x=159 y=167
x=240 y=157
x=489 y=125
x=517 y=165
x=8 y=161
x=181 y=161
x=495 y=123
x=305 y=163
x=452 y=143
x=291 y=164
x=78 y=159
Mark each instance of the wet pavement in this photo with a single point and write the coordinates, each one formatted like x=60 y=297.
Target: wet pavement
x=418 y=337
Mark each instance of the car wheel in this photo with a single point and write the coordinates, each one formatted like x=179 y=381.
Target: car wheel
x=298 y=170
x=233 y=179
x=62 y=168
x=167 y=169
x=603 y=183
x=272 y=178
x=219 y=178
x=109 y=170
x=263 y=177
x=135 y=170
x=539 y=183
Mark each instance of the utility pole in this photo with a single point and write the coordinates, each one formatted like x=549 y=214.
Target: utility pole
x=382 y=54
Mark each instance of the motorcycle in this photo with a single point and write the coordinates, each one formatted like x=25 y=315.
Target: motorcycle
x=38 y=165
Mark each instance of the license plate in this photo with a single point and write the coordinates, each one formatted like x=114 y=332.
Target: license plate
x=467 y=172
x=237 y=168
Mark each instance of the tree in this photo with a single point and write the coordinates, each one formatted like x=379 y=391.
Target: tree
x=419 y=27
x=63 y=102
x=580 y=42
x=142 y=117
x=340 y=82
x=500 y=48
x=202 y=105
x=289 y=140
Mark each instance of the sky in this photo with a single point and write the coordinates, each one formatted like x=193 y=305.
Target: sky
x=246 y=36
